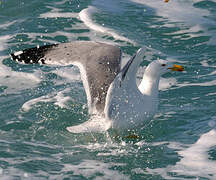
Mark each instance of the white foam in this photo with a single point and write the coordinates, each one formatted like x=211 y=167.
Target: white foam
x=7 y=24
x=61 y=99
x=181 y=11
x=71 y=74
x=85 y=16
x=211 y=94
x=28 y=105
x=111 y=6
x=89 y=169
x=16 y=81
x=194 y=160
x=3 y=41
x=193 y=21
x=61 y=2
x=58 y=98
x=70 y=36
x=205 y=64
x=191 y=32
x=9 y=172
x=55 y=13
x=166 y=83
x=208 y=83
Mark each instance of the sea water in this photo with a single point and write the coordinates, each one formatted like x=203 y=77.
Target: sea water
x=38 y=103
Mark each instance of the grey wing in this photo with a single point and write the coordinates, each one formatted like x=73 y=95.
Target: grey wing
x=101 y=63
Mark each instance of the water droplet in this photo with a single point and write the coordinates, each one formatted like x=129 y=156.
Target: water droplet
x=1 y=171
x=25 y=175
x=212 y=123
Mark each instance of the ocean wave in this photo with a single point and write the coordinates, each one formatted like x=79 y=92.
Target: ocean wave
x=3 y=42
x=56 y=13
x=182 y=11
x=17 y=81
x=86 y=14
x=58 y=98
x=194 y=160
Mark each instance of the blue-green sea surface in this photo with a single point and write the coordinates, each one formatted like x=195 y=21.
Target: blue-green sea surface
x=38 y=102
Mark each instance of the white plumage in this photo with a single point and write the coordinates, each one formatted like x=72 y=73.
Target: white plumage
x=129 y=105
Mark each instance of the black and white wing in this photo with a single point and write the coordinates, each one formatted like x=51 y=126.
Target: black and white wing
x=99 y=63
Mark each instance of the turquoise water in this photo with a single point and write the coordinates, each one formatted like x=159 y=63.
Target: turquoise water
x=37 y=102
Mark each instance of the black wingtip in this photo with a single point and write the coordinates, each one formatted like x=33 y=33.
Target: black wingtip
x=33 y=55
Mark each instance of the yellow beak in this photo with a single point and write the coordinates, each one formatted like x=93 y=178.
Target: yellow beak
x=177 y=68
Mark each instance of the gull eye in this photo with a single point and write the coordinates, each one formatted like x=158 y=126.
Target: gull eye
x=163 y=64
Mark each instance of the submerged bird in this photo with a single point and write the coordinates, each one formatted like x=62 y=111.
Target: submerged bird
x=111 y=92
